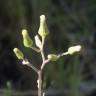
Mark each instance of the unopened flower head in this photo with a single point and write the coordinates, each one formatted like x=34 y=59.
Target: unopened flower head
x=43 y=29
x=74 y=49
x=18 y=53
x=27 y=41
x=38 y=42
x=52 y=57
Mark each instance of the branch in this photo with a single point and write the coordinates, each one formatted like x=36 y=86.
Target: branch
x=44 y=63
x=26 y=62
x=35 y=49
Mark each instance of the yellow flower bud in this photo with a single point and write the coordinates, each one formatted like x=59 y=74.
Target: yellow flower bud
x=74 y=49
x=27 y=41
x=52 y=57
x=18 y=53
x=43 y=29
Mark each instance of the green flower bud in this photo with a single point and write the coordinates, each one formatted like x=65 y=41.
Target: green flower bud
x=27 y=41
x=43 y=29
x=18 y=53
x=52 y=57
x=73 y=49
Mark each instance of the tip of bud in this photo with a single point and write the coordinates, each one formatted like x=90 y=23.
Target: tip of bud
x=42 y=18
x=15 y=49
x=78 y=47
x=24 y=32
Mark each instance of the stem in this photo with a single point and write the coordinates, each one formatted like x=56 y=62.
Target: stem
x=26 y=62
x=62 y=54
x=42 y=50
x=40 y=93
x=35 y=49
x=43 y=57
x=44 y=63
x=34 y=68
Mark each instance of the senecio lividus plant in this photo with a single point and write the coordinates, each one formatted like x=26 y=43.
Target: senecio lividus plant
x=28 y=42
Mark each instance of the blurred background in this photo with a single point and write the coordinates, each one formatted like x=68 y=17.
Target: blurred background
x=70 y=22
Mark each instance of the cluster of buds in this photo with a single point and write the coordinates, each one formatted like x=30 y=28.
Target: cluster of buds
x=39 y=44
x=43 y=32
x=28 y=42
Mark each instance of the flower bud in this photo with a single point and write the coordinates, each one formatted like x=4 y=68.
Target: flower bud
x=74 y=49
x=52 y=57
x=38 y=41
x=27 y=41
x=43 y=29
x=18 y=53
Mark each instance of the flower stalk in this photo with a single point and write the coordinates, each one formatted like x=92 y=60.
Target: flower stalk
x=27 y=41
